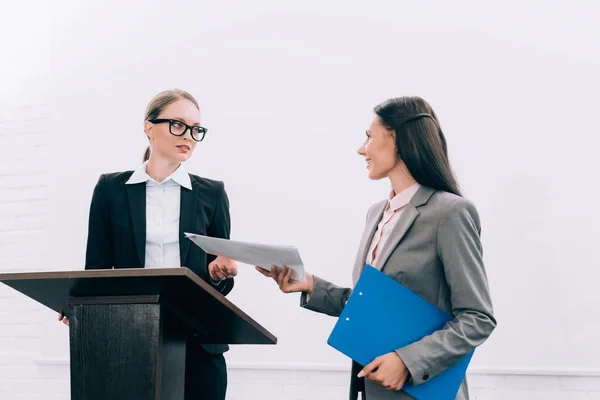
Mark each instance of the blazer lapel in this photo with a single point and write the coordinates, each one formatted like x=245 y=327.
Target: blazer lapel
x=410 y=213
x=186 y=220
x=367 y=238
x=136 y=196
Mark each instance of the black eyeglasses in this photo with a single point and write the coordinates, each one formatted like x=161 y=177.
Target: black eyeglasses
x=178 y=128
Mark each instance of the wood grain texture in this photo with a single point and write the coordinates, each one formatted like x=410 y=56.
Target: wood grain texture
x=114 y=351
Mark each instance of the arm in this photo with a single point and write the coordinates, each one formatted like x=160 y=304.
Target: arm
x=220 y=227
x=460 y=251
x=100 y=251
x=325 y=297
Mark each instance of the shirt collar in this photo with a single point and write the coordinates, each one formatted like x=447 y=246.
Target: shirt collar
x=179 y=176
x=401 y=199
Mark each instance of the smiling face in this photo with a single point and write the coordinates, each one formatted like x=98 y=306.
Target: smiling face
x=169 y=147
x=379 y=151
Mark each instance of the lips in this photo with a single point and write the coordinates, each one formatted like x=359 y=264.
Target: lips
x=184 y=146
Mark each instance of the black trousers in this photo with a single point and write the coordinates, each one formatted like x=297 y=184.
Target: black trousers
x=205 y=374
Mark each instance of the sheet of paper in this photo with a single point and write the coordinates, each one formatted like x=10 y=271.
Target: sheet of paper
x=261 y=255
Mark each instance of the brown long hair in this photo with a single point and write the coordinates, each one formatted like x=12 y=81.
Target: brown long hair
x=420 y=142
x=160 y=102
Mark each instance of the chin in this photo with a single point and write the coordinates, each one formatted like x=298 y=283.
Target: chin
x=375 y=176
x=182 y=157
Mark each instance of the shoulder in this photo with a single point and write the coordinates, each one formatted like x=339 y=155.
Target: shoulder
x=447 y=206
x=114 y=178
x=205 y=184
x=376 y=208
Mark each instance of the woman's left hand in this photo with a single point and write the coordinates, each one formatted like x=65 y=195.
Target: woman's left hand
x=391 y=372
x=222 y=268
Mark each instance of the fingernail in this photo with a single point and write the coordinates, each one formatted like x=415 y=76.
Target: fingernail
x=361 y=374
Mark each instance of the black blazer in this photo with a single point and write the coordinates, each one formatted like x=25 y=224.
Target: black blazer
x=117 y=226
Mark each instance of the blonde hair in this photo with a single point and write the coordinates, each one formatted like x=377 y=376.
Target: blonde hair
x=160 y=102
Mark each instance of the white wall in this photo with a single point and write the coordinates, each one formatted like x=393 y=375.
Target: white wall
x=286 y=92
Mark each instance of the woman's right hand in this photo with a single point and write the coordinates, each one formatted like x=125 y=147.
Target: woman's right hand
x=64 y=319
x=284 y=281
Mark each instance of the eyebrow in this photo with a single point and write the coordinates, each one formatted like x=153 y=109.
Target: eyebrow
x=183 y=120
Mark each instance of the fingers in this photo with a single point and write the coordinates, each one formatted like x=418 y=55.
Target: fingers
x=217 y=273
x=232 y=269
x=228 y=270
x=285 y=281
x=283 y=277
x=224 y=270
x=265 y=273
x=64 y=319
x=280 y=275
x=269 y=274
x=370 y=367
x=288 y=275
x=376 y=377
x=391 y=384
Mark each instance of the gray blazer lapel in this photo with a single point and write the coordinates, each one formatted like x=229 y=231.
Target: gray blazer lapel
x=370 y=228
x=410 y=213
x=407 y=218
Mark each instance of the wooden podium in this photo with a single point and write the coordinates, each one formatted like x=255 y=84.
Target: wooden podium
x=128 y=327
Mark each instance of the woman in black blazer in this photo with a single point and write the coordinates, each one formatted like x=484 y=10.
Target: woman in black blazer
x=138 y=219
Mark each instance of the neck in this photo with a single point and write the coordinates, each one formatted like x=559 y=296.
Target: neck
x=158 y=169
x=400 y=179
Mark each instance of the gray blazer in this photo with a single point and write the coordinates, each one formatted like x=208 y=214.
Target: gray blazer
x=435 y=251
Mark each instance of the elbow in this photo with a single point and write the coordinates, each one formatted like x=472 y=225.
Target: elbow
x=486 y=323
x=475 y=326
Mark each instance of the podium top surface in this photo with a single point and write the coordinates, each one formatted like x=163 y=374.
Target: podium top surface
x=198 y=303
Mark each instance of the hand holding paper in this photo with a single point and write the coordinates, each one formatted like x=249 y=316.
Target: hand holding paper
x=262 y=255
x=286 y=283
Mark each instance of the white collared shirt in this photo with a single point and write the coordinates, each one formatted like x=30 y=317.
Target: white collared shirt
x=163 y=203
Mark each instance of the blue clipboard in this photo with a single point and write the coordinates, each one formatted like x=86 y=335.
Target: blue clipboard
x=382 y=316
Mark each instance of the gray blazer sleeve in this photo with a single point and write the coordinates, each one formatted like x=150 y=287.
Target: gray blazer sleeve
x=460 y=250
x=326 y=298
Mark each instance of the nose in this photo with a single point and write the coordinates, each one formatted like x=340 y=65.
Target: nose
x=361 y=150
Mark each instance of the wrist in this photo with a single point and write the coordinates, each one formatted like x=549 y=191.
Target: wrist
x=310 y=280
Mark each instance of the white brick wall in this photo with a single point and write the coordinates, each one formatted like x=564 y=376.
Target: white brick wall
x=318 y=382
x=24 y=121
x=33 y=346
x=28 y=333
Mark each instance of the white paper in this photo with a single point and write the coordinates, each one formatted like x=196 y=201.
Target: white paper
x=261 y=255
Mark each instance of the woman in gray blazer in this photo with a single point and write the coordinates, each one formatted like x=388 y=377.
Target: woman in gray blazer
x=425 y=236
